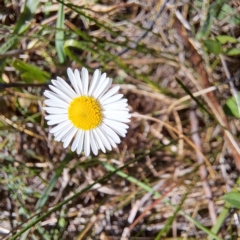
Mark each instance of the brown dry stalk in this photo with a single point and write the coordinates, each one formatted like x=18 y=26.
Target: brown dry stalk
x=202 y=168
x=20 y=128
x=151 y=207
x=89 y=226
x=198 y=64
x=212 y=172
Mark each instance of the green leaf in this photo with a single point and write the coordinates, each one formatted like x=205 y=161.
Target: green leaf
x=223 y=39
x=213 y=46
x=69 y=45
x=12 y=40
x=62 y=222
x=229 y=11
x=212 y=13
x=21 y=26
x=8 y=44
x=59 y=38
x=26 y=16
x=233 y=52
x=231 y=108
x=30 y=73
x=233 y=198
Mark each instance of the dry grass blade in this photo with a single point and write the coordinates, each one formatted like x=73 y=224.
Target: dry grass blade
x=198 y=65
x=187 y=140
x=202 y=169
x=21 y=128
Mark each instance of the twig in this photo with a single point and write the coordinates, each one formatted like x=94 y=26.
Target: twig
x=181 y=135
x=89 y=226
x=15 y=52
x=202 y=169
x=151 y=207
x=21 y=128
x=22 y=85
x=180 y=129
x=197 y=63
x=149 y=28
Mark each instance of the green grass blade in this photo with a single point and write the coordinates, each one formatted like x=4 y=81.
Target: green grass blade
x=113 y=171
x=169 y=222
x=35 y=220
x=41 y=202
x=149 y=189
x=20 y=27
x=133 y=180
x=26 y=16
x=78 y=45
x=59 y=38
x=220 y=220
x=8 y=44
x=212 y=13
x=191 y=95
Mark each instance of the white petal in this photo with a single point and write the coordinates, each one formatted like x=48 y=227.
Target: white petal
x=56 y=116
x=93 y=144
x=106 y=88
x=111 y=141
x=103 y=88
x=103 y=139
x=99 y=83
x=112 y=99
x=69 y=138
x=98 y=140
x=123 y=100
x=55 y=97
x=57 y=103
x=58 y=85
x=60 y=93
x=124 y=109
x=85 y=80
x=63 y=132
x=76 y=140
x=110 y=133
x=87 y=143
x=73 y=80
x=62 y=85
x=109 y=93
x=57 y=121
x=116 y=112
x=122 y=118
x=80 y=142
x=95 y=79
x=60 y=126
x=78 y=81
x=55 y=110
x=116 y=105
x=120 y=131
x=112 y=124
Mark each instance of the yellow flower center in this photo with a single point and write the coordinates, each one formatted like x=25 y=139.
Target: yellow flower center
x=85 y=112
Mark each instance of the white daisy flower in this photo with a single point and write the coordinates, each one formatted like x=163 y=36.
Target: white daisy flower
x=88 y=113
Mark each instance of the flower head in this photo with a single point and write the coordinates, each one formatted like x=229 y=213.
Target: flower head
x=87 y=114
